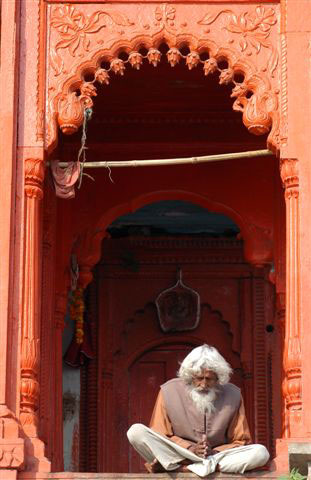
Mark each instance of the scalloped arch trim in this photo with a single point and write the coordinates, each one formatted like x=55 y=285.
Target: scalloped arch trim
x=254 y=95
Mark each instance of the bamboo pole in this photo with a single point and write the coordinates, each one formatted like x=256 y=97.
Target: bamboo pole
x=174 y=161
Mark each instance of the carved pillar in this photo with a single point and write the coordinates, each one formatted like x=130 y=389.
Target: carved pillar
x=30 y=350
x=292 y=344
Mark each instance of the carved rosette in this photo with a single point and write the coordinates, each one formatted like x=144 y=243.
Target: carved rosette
x=292 y=347
x=246 y=39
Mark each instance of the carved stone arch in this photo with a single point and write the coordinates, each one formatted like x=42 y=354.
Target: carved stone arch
x=246 y=39
x=87 y=247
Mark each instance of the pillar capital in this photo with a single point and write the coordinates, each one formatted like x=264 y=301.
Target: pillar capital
x=34 y=176
x=289 y=170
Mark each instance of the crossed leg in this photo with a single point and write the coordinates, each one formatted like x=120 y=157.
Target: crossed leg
x=153 y=446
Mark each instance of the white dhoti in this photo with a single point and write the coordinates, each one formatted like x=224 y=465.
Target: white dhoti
x=151 y=445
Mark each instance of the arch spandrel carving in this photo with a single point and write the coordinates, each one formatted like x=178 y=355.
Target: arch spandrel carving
x=82 y=36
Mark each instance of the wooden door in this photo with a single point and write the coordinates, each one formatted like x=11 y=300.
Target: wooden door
x=145 y=377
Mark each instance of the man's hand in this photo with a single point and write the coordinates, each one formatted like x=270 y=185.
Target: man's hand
x=202 y=449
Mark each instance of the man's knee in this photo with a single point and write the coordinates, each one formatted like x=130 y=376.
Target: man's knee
x=136 y=433
x=260 y=454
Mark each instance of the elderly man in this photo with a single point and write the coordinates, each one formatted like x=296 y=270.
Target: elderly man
x=199 y=422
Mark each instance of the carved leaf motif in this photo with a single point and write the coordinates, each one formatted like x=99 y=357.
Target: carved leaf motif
x=233 y=27
x=66 y=18
x=170 y=13
x=57 y=62
x=74 y=29
x=273 y=62
x=254 y=28
x=243 y=21
x=243 y=44
x=209 y=18
x=118 y=18
x=158 y=14
x=255 y=43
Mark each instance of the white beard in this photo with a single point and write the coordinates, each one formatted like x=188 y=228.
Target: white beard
x=204 y=401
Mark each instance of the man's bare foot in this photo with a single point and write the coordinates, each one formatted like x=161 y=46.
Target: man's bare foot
x=154 y=467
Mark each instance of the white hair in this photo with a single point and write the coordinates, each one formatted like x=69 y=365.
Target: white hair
x=204 y=358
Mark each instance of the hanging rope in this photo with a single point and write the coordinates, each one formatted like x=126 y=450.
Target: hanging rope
x=86 y=117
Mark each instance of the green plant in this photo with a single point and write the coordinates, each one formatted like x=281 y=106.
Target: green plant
x=294 y=474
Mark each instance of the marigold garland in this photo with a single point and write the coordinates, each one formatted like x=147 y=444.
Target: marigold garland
x=76 y=313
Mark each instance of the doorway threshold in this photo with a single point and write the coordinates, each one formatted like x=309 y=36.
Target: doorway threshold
x=265 y=475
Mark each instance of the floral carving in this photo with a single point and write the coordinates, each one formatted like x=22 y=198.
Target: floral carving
x=29 y=384
x=165 y=14
x=102 y=76
x=30 y=356
x=256 y=96
x=192 y=60
x=260 y=109
x=87 y=89
x=210 y=66
x=29 y=395
x=75 y=29
x=34 y=176
x=71 y=108
x=289 y=173
x=253 y=28
x=173 y=56
x=154 y=56
x=226 y=76
x=77 y=308
x=136 y=60
x=117 y=66
x=292 y=383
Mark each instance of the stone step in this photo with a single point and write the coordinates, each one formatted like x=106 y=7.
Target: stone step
x=264 y=475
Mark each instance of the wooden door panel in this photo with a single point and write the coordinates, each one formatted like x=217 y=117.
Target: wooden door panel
x=146 y=376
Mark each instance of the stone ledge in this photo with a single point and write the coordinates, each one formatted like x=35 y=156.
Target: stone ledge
x=140 y=476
